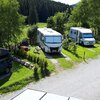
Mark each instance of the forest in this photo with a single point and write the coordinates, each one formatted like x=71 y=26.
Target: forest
x=40 y=10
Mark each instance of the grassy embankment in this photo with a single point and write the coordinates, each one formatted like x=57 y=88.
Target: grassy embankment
x=21 y=75
x=84 y=53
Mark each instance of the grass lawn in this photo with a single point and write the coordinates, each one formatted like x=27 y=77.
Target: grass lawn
x=71 y=56
x=90 y=52
x=17 y=79
x=83 y=52
x=21 y=75
x=41 y=25
x=62 y=61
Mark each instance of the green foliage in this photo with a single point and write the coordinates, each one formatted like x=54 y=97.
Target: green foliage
x=36 y=74
x=57 y=22
x=86 y=14
x=94 y=13
x=50 y=22
x=20 y=53
x=41 y=25
x=70 y=45
x=80 y=14
x=97 y=37
x=33 y=15
x=40 y=9
x=19 y=78
x=10 y=22
x=65 y=44
x=32 y=34
x=37 y=60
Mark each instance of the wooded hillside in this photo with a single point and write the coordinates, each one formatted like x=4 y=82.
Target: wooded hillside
x=40 y=10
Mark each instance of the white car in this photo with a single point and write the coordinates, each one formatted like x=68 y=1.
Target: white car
x=30 y=94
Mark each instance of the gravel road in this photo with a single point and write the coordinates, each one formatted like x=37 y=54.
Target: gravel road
x=83 y=81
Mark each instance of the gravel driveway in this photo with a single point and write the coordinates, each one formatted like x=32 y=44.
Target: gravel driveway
x=81 y=82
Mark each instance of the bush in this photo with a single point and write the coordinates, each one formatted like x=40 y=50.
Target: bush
x=39 y=62
x=97 y=37
x=36 y=75
x=70 y=45
x=21 y=53
x=32 y=34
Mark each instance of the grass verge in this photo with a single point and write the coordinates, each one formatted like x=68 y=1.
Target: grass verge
x=83 y=53
x=41 y=25
x=62 y=61
x=19 y=77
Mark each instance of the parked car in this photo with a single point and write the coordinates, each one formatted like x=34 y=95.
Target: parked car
x=30 y=94
x=5 y=61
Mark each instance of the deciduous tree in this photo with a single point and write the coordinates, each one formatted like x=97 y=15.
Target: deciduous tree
x=10 y=22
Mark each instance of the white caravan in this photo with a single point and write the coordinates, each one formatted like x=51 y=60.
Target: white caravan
x=30 y=94
x=82 y=36
x=49 y=40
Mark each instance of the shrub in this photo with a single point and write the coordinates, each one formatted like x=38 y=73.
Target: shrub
x=32 y=34
x=36 y=75
x=97 y=37
x=21 y=53
x=70 y=45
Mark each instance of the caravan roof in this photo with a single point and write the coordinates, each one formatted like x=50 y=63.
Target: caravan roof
x=48 y=31
x=81 y=29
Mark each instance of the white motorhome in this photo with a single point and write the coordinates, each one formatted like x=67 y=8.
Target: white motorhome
x=30 y=94
x=82 y=36
x=49 y=40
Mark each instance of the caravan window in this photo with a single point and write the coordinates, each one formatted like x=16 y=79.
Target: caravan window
x=53 y=39
x=87 y=35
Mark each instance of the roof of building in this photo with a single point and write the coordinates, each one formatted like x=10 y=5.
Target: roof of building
x=40 y=95
x=48 y=31
x=82 y=30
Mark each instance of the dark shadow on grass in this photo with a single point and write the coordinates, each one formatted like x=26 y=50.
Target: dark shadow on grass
x=4 y=78
x=88 y=46
x=56 y=55
x=16 y=67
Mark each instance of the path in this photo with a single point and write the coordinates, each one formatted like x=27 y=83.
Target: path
x=58 y=68
x=81 y=82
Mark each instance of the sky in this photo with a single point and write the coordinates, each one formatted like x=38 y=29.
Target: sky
x=70 y=2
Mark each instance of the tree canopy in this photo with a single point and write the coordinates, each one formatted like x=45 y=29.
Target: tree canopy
x=40 y=10
x=57 y=22
x=86 y=14
x=10 y=21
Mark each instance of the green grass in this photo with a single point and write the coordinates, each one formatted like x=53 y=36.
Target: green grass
x=83 y=52
x=71 y=56
x=97 y=48
x=17 y=79
x=89 y=52
x=41 y=25
x=21 y=75
x=62 y=61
